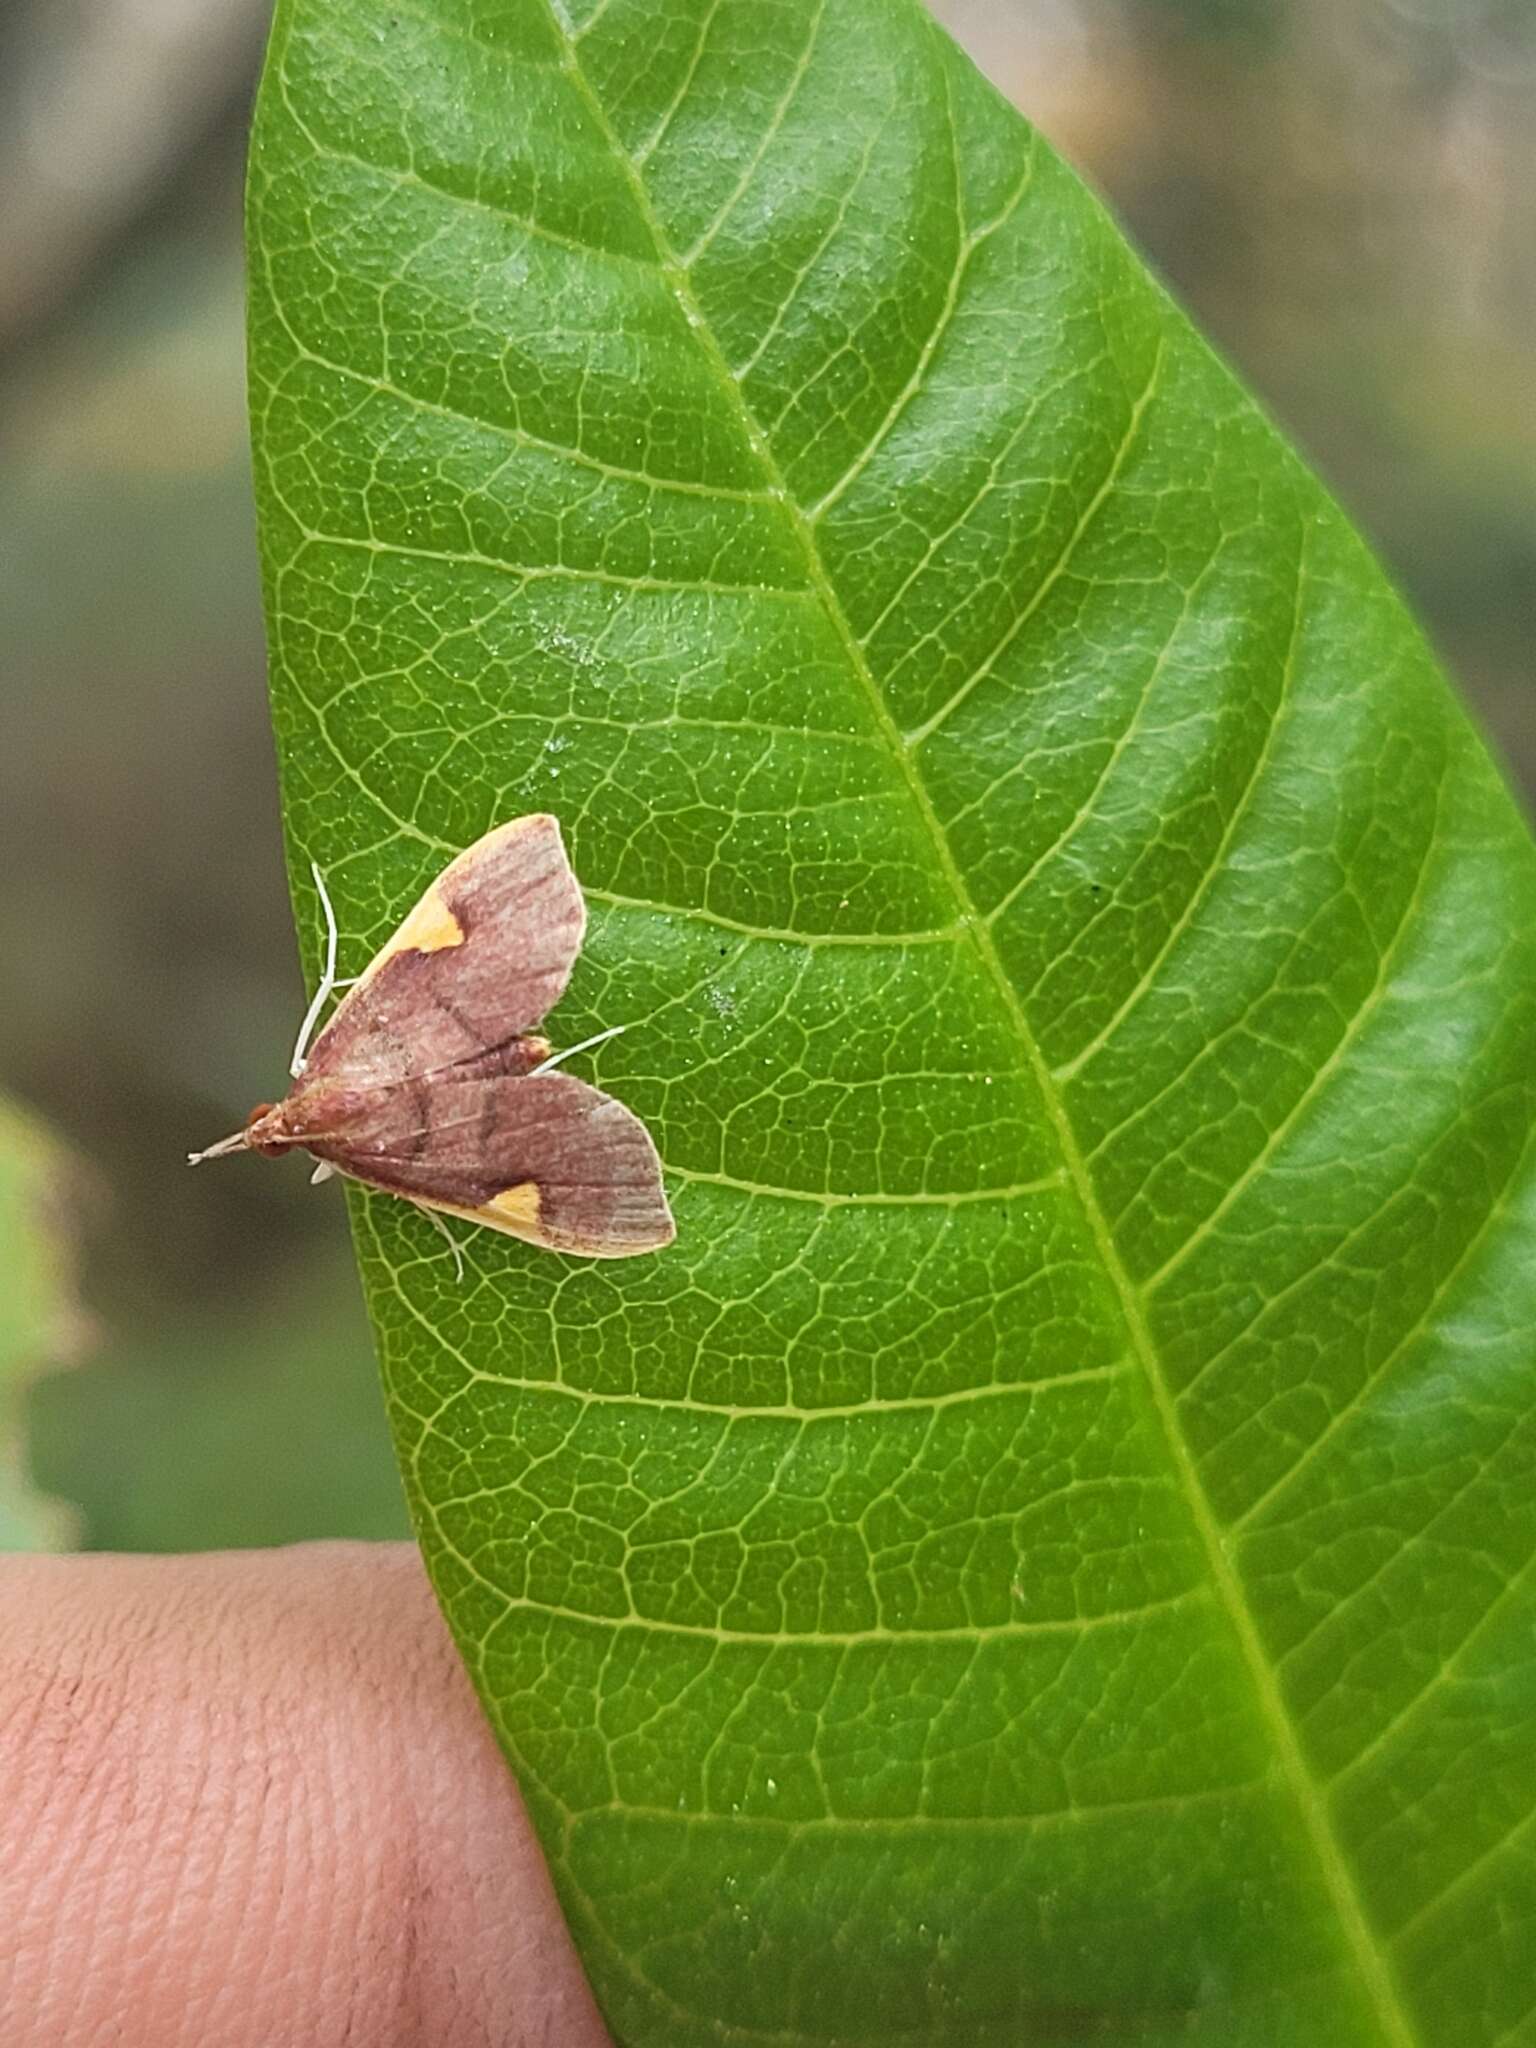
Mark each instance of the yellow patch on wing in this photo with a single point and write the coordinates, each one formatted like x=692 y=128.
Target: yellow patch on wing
x=516 y=1208
x=514 y=1212
x=430 y=928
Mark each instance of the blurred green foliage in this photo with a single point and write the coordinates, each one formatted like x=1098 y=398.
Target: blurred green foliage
x=40 y=1324
x=227 y=1429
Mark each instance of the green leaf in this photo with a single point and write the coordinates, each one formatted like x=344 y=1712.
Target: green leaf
x=1047 y=1553
x=41 y=1323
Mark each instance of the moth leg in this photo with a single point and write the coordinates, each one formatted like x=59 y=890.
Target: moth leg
x=328 y=981
x=322 y=1173
x=586 y=1045
x=441 y=1227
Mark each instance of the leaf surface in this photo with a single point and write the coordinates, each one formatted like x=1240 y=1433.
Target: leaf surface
x=1047 y=1553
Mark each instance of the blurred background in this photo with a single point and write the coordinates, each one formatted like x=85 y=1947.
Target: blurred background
x=1343 y=192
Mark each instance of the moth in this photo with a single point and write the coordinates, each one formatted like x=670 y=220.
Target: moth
x=430 y=1082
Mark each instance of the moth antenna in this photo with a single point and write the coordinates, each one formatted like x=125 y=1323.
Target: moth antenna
x=570 y=1051
x=442 y=1230
x=327 y=978
x=237 y=1141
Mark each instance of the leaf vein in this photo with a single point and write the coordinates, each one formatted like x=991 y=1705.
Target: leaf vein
x=973 y=240
x=1372 y=1384
x=1404 y=929
x=765 y=142
x=1207 y=881
x=920 y=734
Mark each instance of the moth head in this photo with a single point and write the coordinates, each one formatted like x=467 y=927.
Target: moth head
x=264 y=1130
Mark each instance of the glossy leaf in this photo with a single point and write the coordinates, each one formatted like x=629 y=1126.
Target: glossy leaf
x=1047 y=1554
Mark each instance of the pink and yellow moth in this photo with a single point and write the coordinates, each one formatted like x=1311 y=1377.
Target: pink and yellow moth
x=428 y=1083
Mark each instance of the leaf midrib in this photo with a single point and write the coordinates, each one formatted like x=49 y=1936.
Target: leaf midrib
x=1374 y=1967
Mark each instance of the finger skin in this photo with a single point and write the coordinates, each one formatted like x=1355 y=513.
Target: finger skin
x=247 y=1800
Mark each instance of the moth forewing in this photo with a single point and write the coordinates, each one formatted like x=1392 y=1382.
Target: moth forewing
x=481 y=958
